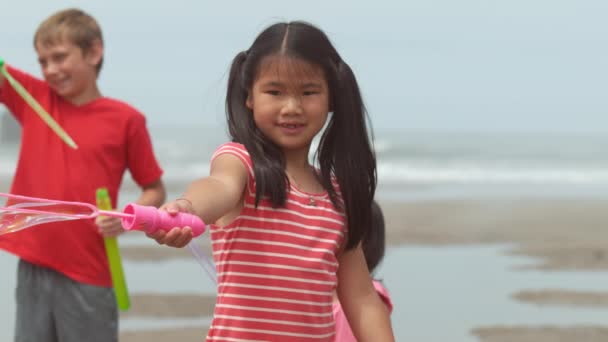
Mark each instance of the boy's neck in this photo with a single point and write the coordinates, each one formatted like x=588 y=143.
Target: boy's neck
x=90 y=94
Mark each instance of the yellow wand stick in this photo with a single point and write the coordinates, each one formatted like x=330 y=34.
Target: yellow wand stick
x=36 y=107
x=114 y=259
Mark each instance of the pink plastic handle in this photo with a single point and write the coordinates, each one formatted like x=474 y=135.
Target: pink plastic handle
x=150 y=219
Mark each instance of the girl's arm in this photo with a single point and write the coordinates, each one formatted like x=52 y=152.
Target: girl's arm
x=210 y=198
x=214 y=196
x=366 y=312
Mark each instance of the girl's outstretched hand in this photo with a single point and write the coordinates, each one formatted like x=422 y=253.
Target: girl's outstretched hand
x=178 y=236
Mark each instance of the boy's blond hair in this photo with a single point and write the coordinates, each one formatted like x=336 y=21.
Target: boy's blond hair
x=72 y=24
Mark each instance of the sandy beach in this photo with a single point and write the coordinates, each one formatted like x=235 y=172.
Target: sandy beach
x=177 y=334
x=542 y=334
x=552 y=297
x=563 y=234
x=151 y=305
x=157 y=305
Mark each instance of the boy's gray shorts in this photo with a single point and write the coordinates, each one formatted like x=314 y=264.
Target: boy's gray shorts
x=54 y=308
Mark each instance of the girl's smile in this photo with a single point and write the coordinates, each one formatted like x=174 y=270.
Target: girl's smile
x=292 y=128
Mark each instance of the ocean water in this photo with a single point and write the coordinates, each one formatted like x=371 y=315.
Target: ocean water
x=413 y=165
x=415 y=161
x=426 y=158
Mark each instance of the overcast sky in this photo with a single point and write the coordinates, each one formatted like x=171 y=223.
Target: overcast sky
x=516 y=65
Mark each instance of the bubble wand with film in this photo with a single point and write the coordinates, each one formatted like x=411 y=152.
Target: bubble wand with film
x=22 y=212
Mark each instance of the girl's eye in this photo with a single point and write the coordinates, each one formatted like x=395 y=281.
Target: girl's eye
x=309 y=93
x=273 y=92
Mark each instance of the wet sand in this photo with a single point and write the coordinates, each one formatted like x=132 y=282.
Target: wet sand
x=171 y=306
x=172 y=335
x=565 y=235
x=542 y=334
x=562 y=234
x=552 y=297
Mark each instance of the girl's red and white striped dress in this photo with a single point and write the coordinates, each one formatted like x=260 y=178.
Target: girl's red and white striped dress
x=276 y=267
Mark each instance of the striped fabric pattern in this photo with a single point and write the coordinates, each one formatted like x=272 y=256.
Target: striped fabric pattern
x=276 y=267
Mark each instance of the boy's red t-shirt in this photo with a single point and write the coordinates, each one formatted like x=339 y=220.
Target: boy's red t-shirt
x=111 y=137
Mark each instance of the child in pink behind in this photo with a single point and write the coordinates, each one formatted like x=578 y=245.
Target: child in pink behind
x=373 y=248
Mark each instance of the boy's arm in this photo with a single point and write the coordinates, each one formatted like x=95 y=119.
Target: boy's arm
x=366 y=313
x=153 y=194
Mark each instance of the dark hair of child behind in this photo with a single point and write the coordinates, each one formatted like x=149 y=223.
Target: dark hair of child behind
x=375 y=244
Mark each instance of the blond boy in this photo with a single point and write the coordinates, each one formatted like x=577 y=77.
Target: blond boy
x=64 y=289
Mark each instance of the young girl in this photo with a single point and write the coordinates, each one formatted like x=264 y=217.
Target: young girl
x=285 y=234
x=373 y=249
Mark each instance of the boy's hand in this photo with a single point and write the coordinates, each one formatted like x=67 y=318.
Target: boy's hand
x=109 y=226
x=179 y=236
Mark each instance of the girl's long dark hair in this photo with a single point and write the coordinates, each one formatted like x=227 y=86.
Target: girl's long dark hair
x=344 y=149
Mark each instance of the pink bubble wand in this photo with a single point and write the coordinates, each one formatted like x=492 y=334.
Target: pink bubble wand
x=24 y=212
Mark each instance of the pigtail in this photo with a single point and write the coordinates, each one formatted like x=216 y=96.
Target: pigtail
x=346 y=152
x=267 y=158
x=236 y=95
